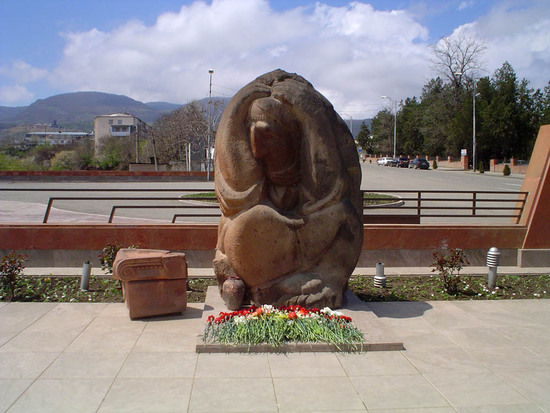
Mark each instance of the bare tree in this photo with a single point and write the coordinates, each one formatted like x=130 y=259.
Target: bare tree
x=457 y=57
x=180 y=132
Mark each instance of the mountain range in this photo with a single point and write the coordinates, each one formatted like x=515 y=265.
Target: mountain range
x=77 y=107
x=80 y=108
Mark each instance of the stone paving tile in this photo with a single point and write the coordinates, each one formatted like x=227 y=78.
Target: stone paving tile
x=85 y=365
x=24 y=365
x=445 y=360
x=476 y=389
x=514 y=408
x=16 y=317
x=533 y=384
x=510 y=358
x=30 y=342
x=62 y=395
x=159 y=365
x=104 y=342
x=475 y=338
x=147 y=395
x=305 y=365
x=376 y=362
x=314 y=394
x=154 y=341
x=421 y=410
x=10 y=390
x=421 y=341
x=233 y=365
x=232 y=394
x=528 y=336
x=397 y=392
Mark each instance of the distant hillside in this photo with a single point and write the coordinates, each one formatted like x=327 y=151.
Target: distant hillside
x=81 y=106
x=7 y=112
x=163 y=106
x=78 y=110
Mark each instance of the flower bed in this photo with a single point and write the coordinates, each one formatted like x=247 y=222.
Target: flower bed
x=279 y=326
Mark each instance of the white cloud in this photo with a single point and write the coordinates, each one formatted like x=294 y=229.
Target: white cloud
x=351 y=54
x=22 y=72
x=519 y=34
x=14 y=94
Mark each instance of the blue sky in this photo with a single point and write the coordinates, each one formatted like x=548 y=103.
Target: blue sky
x=353 y=52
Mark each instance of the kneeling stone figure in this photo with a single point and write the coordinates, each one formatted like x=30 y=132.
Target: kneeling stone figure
x=288 y=180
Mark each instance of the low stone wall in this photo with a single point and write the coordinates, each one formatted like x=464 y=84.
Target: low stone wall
x=50 y=245
x=99 y=176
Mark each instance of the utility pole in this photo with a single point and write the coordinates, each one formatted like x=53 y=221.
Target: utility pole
x=209 y=137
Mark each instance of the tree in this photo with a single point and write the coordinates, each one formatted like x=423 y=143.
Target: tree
x=364 y=139
x=382 y=130
x=181 y=131
x=456 y=56
x=411 y=138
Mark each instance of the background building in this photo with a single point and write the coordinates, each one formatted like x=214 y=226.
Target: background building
x=119 y=125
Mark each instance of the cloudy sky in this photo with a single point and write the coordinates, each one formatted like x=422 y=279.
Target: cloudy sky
x=161 y=50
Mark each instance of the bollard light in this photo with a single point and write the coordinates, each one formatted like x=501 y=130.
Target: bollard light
x=493 y=258
x=85 y=280
x=380 y=278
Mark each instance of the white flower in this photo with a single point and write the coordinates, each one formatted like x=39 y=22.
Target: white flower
x=239 y=319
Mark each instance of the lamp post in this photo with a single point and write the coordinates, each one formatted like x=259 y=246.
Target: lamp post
x=474 y=126
x=474 y=95
x=208 y=139
x=394 y=102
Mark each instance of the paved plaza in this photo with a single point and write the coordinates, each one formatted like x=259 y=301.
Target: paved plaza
x=466 y=356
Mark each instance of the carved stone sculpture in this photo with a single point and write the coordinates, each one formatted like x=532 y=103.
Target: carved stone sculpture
x=153 y=281
x=288 y=182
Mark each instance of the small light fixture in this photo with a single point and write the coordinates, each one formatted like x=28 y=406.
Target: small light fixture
x=85 y=280
x=493 y=258
x=380 y=278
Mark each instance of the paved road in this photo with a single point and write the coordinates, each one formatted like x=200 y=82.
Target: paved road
x=17 y=205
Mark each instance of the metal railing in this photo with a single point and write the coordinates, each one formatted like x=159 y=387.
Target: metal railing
x=464 y=204
x=422 y=203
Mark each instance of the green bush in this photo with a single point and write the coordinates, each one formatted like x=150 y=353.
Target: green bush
x=10 y=268
x=506 y=171
x=65 y=161
x=481 y=168
x=434 y=164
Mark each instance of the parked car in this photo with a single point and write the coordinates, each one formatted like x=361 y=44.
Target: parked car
x=402 y=162
x=419 y=163
x=386 y=161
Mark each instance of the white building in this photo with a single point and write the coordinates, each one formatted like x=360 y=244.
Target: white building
x=121 y=125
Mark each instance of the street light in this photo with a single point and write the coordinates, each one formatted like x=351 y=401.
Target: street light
x=474 y=95
x=208 y=139
x=394 y=102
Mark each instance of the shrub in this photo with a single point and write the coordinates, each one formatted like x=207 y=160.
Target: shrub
x=108 y=255
x=481 y=168
x=10 y=268
x=434 y=164
x=446 y=262
x=65 y=161
x=506 y=171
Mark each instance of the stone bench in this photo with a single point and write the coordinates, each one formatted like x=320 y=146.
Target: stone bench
x=153 y=281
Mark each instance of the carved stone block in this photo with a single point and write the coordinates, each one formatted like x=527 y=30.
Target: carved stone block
x=153 y=281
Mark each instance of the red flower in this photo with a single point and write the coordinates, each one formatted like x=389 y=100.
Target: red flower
x=292 y=315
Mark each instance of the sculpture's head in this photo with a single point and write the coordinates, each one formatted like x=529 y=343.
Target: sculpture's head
x=275 y=139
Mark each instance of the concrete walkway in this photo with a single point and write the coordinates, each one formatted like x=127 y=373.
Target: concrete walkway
x=482 y=356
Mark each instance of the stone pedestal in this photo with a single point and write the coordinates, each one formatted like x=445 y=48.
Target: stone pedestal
x=153 y=281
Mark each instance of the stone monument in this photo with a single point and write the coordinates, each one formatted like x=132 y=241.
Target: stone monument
x=288 y=179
